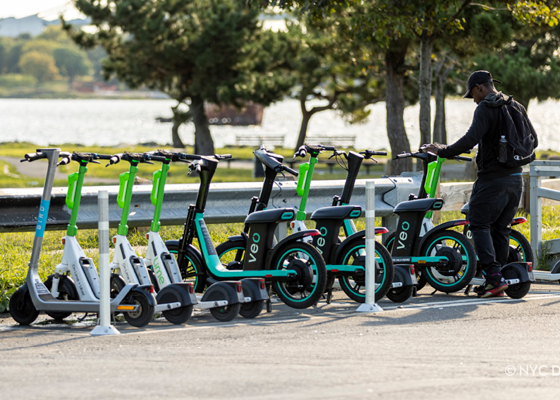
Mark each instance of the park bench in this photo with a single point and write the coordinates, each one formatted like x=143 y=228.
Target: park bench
x=342 y=141
x=257 y=140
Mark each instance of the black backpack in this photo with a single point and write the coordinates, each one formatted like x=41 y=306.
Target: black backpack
x=521 y=143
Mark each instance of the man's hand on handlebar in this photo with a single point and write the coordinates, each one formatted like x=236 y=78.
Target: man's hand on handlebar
x=432 y=148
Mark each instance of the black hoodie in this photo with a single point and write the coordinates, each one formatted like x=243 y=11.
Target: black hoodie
x=485 y=131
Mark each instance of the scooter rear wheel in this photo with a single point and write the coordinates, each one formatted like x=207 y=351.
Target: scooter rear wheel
x=178 y=315
x=226 y=313
x=400 y=294
x=518 y=290
x=252 y=309
x=22 y=309
x=145 y=312
x=66 y=291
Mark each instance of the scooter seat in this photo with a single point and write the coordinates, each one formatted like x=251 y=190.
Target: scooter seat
x=465 y=209
x=270 y=216
x=337 y=212
x=419 y=205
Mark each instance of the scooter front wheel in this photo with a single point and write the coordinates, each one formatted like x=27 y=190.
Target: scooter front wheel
x=308 y=287
x=22 y=309
x=355 y=285
x=66 y=291
x=460 y=267
x=145 y=312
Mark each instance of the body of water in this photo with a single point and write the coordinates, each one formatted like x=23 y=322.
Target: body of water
x=113 y=122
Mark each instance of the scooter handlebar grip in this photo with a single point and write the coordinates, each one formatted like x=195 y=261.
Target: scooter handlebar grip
x=290 y=171
x=461 y=158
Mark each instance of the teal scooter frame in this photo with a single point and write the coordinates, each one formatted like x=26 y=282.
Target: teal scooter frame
x=295 y=269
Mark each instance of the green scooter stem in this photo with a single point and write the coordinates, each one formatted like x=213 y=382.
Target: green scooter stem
x=73 y=198
x=432 y=180
x=159 y=187
x=126 y=188
x=301 y=214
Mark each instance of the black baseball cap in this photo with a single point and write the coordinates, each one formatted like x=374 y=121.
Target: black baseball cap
x=478 y=78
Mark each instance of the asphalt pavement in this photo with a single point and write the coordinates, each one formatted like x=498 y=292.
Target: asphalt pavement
x=431 y=347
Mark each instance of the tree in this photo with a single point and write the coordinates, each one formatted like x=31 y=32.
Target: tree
x=327 y=67
x=39 y=65
x=71 y=62
x=195 y=51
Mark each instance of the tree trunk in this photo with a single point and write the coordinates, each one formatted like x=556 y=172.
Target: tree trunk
x=203 y=143
x=177 y=142
x=306 y=116
x=440 y=131
x=425 y=88
x=395 y=103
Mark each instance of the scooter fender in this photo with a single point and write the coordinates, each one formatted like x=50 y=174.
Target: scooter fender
x=517 y=270
x=232 y=291
x=146 y=289
x=405 y=272
x=183 y=290
x=294 y=237
x=238 y=237
x=362 y=234
x=254 y=288
x=439 y=228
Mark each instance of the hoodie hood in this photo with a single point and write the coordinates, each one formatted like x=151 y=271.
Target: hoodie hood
x=497 y=99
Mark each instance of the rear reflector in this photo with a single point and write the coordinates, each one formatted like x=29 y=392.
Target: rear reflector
x=125 y=308
x=191 y=288
x=152 y=289
x=239 y=287
x=63 y=241
x=381 y=231
x=530 y=266
x=519 y=220
x=261 y=283
x=459 y=223
x=114 y=240
x=268 y=276
x=292 y=224
x=312 y=233
x=412 y=270
x=334 y=270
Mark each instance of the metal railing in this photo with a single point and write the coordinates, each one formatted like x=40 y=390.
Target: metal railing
x=539 y=170
x=227 y=202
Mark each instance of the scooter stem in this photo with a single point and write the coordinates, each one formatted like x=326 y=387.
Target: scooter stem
x=127 y=190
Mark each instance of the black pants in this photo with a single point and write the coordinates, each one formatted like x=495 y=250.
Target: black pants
x=492 y=206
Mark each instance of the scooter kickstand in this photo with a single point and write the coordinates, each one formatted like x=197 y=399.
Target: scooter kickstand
x=268 y=306
x=329 y=296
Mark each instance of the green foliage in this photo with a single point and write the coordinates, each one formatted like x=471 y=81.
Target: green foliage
x=12 y=81
x=39 y=65
x=195 y=51
x=71 y=62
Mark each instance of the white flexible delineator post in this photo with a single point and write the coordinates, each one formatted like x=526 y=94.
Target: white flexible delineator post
x=104 y=326
x=370 y=305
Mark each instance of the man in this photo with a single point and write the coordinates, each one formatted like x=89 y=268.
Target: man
x=497 y=190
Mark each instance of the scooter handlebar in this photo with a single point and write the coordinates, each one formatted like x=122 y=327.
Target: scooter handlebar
x=370 y=153
x=461 y=158
x=301 y=152
x=290 y=170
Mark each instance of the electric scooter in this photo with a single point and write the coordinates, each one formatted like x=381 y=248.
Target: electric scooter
x=225 y=299
x=343 y=257
x=518 y=273
x=136 y=302
x=174 y=300
x=295 y=269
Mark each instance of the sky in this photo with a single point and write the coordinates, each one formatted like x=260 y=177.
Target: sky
x=47 y=9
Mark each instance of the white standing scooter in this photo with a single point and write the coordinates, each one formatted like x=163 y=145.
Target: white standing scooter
x=160 y=268
x=75 y=285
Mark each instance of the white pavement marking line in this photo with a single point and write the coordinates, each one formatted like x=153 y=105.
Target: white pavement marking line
x=271 y=321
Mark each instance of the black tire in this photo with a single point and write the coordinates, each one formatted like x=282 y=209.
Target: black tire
x=66 y=291
x=227 y=313
x=519 y=248
x=354 y=286
x=178 y=315
x=518 y=290
x=400 y=294
x=145 y=312
x=452 y=244
x=252 y=309
x=311 y=281
x=116 y=284
x=22 y=309
x=420 y=280
x=231 y=254
x=193 y=271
